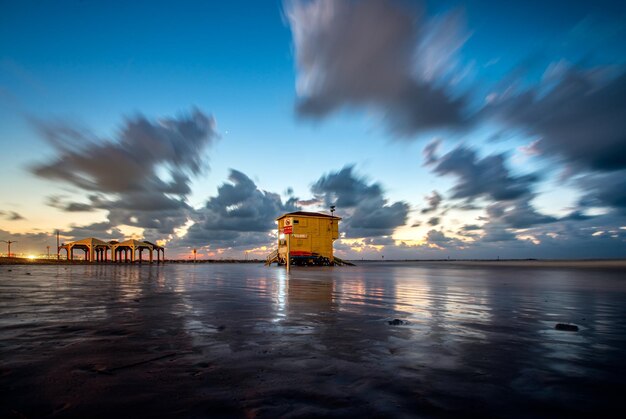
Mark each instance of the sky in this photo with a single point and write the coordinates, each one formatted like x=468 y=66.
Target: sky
x=438 y=129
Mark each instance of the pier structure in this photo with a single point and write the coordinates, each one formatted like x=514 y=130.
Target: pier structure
x=95 y=250
x=132 y=251
x=128 y=251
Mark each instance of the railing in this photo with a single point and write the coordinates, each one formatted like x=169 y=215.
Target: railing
x=272 y=257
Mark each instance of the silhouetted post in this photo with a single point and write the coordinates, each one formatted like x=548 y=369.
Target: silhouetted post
x=288 y=252
x=194 y=255
x=8 y=242
x=58 y=250
x=332 y=219
x=48 y=247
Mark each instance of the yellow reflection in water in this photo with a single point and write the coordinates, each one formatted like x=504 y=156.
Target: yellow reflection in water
x=280 y=301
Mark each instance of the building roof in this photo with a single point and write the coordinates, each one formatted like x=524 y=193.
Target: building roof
x=133 y=243
x=307 y=214
x=156 y=246
x=90 y=241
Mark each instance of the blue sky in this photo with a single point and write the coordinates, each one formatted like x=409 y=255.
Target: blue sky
x=301 y=104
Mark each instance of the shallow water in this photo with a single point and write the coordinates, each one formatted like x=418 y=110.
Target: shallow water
x=243 y=340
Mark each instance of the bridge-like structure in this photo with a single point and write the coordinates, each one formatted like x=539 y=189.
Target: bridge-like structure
x=128 y=251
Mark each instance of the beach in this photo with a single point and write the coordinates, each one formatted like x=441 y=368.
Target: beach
x=244 y=340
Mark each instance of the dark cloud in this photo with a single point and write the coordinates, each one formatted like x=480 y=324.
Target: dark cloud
x=102 y=230
x=565 y=239
x=129 y=163
x=157 y=224
x=438 y=237
x=240 y=215
x=11 y=215
x=477 y=177
x=579 y=117
x=344 y=189
x=604 y=190
x=497 y=232
x=430 y=151
x=141 y=178
x=509 y=197
x=376 y=218
x=517 y=214
x=377 y=53
x=365 y=210
x=434 y=221
x=440 y=240
x=434 y=200
x=60 y=202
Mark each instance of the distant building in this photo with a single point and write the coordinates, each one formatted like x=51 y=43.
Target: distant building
x=307 y=237
x=96 y=250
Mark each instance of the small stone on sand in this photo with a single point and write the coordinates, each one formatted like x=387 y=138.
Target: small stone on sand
x=566 y=327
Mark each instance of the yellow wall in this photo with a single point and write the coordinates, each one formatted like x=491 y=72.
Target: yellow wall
x=310 y=234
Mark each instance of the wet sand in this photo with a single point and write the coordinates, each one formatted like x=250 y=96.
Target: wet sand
x=241 y=340
x=618 y=264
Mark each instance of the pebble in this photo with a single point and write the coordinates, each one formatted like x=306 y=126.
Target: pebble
x=566 y=327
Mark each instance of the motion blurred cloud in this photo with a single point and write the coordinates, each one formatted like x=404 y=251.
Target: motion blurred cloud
x=240 y=215
x=434 y=200
x=381 y=54
x=365 y=210
x=123 y=174
x=130 y=162
x=579 y=120
x=479 y=177
x=11 y=215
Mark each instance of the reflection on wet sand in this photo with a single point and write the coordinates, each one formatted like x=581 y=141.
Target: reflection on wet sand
x=245 y=340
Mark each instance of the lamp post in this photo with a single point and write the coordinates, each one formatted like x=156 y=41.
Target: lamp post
x=332 y=232
x=194 y=255
x=8 y=242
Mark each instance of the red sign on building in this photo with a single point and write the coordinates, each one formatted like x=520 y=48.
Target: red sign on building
x=288 y=229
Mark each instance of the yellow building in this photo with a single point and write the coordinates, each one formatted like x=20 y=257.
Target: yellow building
x=309 y=236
